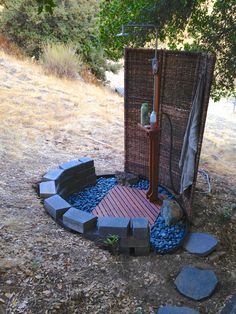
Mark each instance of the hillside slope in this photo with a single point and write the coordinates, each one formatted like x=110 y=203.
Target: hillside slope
x=45 y=269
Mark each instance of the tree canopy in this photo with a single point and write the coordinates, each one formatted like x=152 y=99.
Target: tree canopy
x=199 y=25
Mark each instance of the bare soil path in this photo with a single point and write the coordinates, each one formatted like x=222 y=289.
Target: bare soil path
x=45 y=269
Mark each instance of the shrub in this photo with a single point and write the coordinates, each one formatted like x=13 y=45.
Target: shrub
x=61 y=60
x=74 y=22
x=10 y=48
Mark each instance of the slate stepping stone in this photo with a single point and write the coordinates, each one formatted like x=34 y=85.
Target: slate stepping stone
x=176 y=310
x=230 y=307
x=200 y=243
x=197 y=284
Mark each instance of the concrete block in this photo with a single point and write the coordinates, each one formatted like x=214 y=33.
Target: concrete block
x=79 y=220
x=132 y=242
x=47 y=189
x=140 y=227
x=76 y=176
x=139 y=251
x=71 y=166
x=53 y=175
x=91 y=180
x=76 y=166
x=87 y=161
x=113 y=225
x=56 y=206
x=125 y=251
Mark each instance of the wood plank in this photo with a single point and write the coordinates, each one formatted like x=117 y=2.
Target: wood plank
x=127 y=202
x=139 y=205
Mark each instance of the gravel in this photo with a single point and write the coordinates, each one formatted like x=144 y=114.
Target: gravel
x=163 y=238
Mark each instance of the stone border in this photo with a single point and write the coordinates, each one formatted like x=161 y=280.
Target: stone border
x=73 y=176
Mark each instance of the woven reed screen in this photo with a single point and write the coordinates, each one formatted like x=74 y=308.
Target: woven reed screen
x=179 y=75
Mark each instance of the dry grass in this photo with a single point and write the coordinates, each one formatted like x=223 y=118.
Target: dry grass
x=219 y=145
x=44 y=115
x=61 y=60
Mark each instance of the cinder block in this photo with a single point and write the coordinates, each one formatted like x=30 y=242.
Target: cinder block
x=91 y=180
x=53 y=175
x=125 y=251
x=139 y=251
x=113 y=225
x=140 y=227
x=47 y=189
x=79 y=220
x=76 y=166
x=87 y=161
x=56 y=206
x=71 y=166
x=132 y=242
x=76 y=176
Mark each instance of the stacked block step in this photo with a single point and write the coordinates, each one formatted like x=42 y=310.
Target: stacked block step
x=138 y=238
x=70 y=177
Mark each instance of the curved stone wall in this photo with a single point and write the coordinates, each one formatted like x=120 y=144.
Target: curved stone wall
x=71 y=177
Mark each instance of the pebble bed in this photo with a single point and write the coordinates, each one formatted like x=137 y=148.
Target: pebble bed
x=163 y=238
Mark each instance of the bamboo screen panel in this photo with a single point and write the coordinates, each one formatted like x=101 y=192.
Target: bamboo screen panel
x=179 y=76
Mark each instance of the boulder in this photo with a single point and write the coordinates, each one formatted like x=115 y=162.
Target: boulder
x=171 y=212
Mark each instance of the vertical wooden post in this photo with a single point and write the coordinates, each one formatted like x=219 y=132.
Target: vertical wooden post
x=154 y=140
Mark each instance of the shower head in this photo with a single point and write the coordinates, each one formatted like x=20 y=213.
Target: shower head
x=122 y=34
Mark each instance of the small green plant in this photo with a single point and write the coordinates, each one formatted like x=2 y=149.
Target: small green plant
x=61 y=60
x=112 y=242
x=226 y=214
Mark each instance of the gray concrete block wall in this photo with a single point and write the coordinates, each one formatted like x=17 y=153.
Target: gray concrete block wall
x=73 y=176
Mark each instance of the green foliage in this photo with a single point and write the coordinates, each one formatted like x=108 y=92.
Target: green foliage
x=199 y=25
x=112 y=240
x=73 y=22
x=228 y=211
x=61 y=60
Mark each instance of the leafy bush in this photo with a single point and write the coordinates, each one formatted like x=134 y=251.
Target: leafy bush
x=73 y=22
x=61 y=60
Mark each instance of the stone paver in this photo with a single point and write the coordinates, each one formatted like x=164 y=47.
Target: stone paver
x=111 y=225
x=195 y=283
x=53 y=175
x=79 y=220
x=71 y=166
x=142 y=251
x=56 y=206
x=87 y=161
x=176 y=310
x=47 y=189
x=140 y=227
x=230 y=307
x=200 y=243
x=133 y=242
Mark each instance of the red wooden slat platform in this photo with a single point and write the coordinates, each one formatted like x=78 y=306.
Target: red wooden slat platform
x=127 y=202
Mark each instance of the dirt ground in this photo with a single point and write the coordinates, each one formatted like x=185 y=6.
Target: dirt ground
x=45 y=269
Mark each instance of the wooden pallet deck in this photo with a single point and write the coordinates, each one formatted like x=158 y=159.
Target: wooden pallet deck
x=127 y=202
